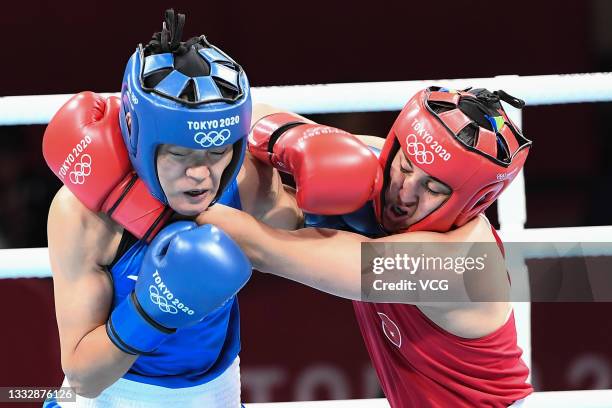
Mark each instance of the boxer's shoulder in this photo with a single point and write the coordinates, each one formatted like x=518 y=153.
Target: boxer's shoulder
x=477 y=230
x=257 y=185
x=263 y=195
x=78 y=235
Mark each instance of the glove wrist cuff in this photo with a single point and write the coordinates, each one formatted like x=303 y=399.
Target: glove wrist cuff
x=132 y=331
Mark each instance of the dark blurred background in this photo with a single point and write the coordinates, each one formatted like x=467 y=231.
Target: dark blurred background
x=299 y=344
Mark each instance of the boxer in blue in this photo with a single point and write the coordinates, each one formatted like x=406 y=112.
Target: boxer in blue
x=146 y=302
x=145 y=298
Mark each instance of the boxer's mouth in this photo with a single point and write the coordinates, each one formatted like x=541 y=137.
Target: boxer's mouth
x=398 y=211
x=196 y=193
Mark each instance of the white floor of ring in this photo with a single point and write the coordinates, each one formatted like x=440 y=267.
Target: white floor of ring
x=553 y=399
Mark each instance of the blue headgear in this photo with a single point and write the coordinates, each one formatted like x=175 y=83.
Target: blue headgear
x=160 y=116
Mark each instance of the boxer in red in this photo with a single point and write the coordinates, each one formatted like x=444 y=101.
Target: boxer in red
x=446 y=159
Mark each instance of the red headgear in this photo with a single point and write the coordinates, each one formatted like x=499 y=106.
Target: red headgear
x=462 y=138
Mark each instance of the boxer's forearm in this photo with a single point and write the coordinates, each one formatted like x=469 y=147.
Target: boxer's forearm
x=330 y=260
x=326 y=260
x=95 y=364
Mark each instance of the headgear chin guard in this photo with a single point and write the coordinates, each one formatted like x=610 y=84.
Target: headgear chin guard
x=465 y=140
x=184 y=108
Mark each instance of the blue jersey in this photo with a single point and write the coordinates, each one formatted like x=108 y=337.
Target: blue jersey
x=363 y=221
x=193 y=355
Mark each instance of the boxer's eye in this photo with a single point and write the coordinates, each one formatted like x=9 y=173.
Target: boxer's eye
x=436 y=189
x=433 y=192
x=218 y=152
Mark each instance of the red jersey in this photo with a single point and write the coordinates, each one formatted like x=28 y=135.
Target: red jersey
x=421 y=365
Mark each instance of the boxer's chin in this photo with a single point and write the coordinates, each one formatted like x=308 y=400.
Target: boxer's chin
x=394 y=222
x=191 y=205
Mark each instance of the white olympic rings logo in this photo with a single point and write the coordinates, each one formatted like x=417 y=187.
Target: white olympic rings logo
x=81 y=170
x=161 y=301
x=418 y=151
x=212 y=138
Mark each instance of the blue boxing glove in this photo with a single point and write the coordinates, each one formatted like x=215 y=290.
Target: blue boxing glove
x=187 y=272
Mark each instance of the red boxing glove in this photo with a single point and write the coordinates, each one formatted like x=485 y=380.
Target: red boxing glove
x=334 y=172
x=84 y=147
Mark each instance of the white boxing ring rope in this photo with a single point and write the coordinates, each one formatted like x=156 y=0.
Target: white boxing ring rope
x=362 y=97
x=389 y=96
